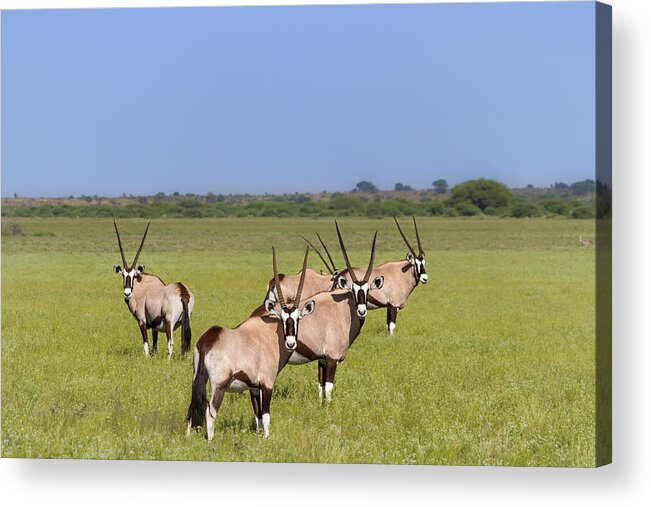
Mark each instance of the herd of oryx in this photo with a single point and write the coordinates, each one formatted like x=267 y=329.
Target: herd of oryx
x=330 y=308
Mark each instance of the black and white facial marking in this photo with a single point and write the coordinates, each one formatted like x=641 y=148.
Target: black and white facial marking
x=290 y=317
x=334 y=279
x=129 y=276
x=360 y=290
x=419 y=267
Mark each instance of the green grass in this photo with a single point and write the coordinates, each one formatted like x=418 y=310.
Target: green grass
x=492 y=362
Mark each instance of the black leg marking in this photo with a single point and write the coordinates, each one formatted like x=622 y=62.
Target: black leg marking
x=331 y=369
x=154 y=341
x=145 y=341
x=255 y=401
x=392 y=315
x=266 y=402
x=257 y=407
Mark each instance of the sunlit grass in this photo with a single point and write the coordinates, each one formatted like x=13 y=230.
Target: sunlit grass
x=492 y=362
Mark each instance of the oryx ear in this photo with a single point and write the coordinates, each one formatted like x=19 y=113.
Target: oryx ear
x=118 y=269
x=342 y=283
x=270 y=306
x=410 y=258
x=141 y=269
x=377 y=283
x=308 y=308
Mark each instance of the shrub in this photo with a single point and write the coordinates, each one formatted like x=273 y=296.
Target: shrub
x=524 y=209
x=557 y=207
x=583 y=211
x=467 y=209
x=483 y=193
x=436 y=207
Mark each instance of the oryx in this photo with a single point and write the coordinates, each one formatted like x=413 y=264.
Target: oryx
x=248 y=357
x=154 y=305
x=315 y=282
x=336 y=323
x=585 y=241
x=401 y=278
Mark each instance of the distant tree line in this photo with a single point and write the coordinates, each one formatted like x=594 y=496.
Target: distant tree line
x=480 y=197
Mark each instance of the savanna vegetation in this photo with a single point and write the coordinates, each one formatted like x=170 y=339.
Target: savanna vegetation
x=492 y=362
x=480 y=197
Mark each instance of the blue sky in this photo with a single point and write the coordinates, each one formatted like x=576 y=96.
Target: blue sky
x=285 y=99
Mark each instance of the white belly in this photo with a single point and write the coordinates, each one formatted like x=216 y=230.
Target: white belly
x=296 y=358
x=236 y=386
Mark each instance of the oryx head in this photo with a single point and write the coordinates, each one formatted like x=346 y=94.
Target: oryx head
x=359 y=288
x=289 y=314
x=416 y=260
x=332 y=269
x=129 y=273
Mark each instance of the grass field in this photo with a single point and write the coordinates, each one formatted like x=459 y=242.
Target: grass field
x=492 y=362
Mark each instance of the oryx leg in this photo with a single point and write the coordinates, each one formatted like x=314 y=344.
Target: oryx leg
x=257 y=408
x=331 y=369
x=322 y=376
x=266 y=418
x=154 y=341
x=212 y=409
x=169 y=331
x=392 y=315
x=145 y=342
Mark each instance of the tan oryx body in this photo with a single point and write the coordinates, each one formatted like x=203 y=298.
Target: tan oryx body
x=400 y=279
x=336 y=323
x=155 y=305
x=248 y=357
x=315 y=281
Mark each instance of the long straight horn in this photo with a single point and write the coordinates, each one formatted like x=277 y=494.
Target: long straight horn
x=135 y=259
x=318 y=253
x=281 y=299
x=124 y=261
x=420 y=248
x=404 y=238
x=370 y=264
x=297 y=298
x=334 y=266
x=343 y=251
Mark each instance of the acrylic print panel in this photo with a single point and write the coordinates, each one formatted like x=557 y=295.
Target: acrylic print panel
x=458 y=313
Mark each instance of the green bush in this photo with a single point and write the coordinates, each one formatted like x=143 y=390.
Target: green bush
x=523 y=209
x=483 y=193
x=436 y=207
x=466 y=209
x=556 y=207
x=583 y=211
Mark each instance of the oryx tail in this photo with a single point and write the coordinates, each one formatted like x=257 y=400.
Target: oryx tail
x=186 y=331
x=199 y=401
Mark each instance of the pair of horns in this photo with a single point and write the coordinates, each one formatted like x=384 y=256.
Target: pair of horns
x=297 y=298
x=420 y=248
x=124 y=260
x=332 y=269
x=345 y=254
